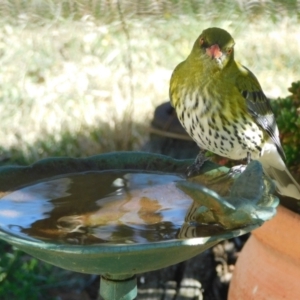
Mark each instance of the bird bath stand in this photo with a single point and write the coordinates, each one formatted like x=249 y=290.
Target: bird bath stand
x=120 y=214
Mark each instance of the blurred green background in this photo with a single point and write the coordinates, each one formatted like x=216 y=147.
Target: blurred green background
x=79 y=78
x=83 y=77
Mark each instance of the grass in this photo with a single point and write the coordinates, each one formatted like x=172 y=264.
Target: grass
x=79 y=78
x=75 y=82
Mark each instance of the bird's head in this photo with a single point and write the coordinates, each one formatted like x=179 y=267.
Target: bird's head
x=215 y=45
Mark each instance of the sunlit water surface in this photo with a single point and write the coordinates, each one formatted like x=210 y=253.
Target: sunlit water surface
x=103 y=207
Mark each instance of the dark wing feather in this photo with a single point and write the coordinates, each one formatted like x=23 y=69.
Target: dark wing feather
x=258 y=105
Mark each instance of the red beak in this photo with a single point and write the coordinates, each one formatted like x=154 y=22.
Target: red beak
x=214 y=51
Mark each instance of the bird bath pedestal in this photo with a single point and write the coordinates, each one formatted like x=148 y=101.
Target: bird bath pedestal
x=120 y=214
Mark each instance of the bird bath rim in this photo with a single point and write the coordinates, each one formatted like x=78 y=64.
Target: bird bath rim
x=123 y=247
x=105 y=258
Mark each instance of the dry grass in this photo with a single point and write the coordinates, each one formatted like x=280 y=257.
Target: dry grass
x=79 y=79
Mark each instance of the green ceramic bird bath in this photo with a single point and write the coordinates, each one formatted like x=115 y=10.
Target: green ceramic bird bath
x=120 y=214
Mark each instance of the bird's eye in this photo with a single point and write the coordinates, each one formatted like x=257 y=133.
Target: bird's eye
x=201 y=41
x=229 y=51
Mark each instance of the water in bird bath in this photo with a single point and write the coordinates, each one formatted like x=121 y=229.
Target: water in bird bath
x=114 y=207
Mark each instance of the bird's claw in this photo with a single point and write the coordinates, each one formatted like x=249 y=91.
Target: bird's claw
x=195 y=168
x=236 y=170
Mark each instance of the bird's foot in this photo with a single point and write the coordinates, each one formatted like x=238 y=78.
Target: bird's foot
x=195 y=168
x=236 y=170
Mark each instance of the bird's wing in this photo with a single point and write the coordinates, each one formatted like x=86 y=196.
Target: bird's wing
x=258 y=104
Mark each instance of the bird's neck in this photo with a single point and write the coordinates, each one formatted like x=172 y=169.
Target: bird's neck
x=203 y=71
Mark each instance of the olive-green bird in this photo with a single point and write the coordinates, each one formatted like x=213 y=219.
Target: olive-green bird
x=221 y=105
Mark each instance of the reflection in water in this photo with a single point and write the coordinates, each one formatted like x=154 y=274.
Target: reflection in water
x=31 y=203
x=103 y=207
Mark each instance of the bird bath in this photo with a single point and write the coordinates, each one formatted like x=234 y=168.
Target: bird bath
x=120 y=214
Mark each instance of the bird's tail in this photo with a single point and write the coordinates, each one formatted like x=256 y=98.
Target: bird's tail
x=275 y=167
x=284 y=181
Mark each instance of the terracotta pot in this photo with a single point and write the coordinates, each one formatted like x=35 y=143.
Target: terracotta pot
x=269 y=264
